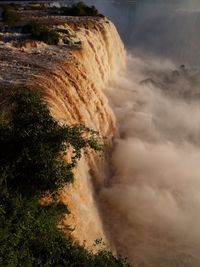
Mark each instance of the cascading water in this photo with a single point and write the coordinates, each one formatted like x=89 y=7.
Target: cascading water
x=74 y=91
x=75 y=94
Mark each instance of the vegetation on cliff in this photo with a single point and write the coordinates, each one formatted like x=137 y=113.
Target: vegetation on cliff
x=33 y=145
x=41 y=32
x=79 y=9
x=9 y=15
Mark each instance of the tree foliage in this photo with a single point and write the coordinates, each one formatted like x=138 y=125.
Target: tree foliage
x=31 y=163
x=41 y=33
x=9 y=15
x=79 y=9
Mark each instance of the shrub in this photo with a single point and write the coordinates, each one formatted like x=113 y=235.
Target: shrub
x=9 y=16
x=48 y=36
x=41 y=33
x=79 y=9
x=31 y=27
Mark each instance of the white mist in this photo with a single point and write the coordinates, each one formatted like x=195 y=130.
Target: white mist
x=151 y=205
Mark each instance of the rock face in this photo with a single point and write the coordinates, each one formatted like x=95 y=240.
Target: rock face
x=72 y=76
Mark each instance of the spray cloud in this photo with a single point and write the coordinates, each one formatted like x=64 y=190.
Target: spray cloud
x=151 y=204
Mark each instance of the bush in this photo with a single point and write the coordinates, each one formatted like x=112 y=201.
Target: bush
x=29 y=238
x=31 y=27
x=9 y=16
x=48 y=36
x=79 y=9
x=41 y=33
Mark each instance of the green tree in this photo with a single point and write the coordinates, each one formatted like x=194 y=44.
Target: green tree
x=80 y=9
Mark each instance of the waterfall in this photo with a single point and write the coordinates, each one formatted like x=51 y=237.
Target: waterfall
x=73 y=86
x=72 y=77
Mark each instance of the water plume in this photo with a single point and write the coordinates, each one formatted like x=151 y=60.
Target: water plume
x=151 y=203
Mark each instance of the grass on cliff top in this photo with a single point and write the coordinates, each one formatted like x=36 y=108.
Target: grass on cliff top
x=31 y=165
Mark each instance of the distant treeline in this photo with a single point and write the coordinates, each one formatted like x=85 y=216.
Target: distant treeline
x=77 y=9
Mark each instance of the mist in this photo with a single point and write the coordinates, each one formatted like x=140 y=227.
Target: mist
x=151 y=204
